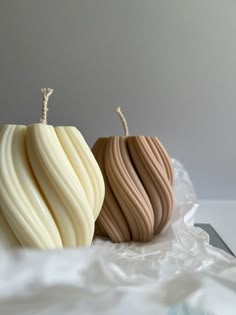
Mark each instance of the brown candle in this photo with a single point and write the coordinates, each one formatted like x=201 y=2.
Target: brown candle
x=138 y=186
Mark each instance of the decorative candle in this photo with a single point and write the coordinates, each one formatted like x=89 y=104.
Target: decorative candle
x=51 y=187
x=138 y=186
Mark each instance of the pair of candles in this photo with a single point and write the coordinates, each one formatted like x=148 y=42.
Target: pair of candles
x=54 y=190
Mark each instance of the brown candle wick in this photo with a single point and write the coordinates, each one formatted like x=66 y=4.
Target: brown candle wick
x=46 y=93
x=123 y=120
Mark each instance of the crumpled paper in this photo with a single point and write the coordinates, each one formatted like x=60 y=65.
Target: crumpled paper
x=178 y=273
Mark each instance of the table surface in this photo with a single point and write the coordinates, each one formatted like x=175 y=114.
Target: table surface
x=221 y=214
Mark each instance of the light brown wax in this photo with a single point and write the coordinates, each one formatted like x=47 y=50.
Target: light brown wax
x=138 y=187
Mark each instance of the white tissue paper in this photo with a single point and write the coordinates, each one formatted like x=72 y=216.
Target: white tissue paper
x=178 y=273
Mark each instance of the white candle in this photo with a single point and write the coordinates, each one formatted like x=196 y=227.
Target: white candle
x=51 y=188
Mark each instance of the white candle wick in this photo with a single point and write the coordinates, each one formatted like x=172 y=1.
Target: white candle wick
x=46 y=93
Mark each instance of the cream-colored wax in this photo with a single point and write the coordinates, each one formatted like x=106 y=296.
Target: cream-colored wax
x=84 y=165
x=20 y=198
x=7 y=237
x=60 y=185
x=51 y=188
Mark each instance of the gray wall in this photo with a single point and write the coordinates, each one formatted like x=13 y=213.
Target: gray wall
x=170 y=64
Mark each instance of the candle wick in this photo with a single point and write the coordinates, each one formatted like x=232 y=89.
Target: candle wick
x=123 y=120
x=46 y=93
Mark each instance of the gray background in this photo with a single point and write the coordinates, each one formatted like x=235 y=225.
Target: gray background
x=170 y=64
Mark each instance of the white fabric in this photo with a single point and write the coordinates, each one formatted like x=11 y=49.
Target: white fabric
x=178 y=273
